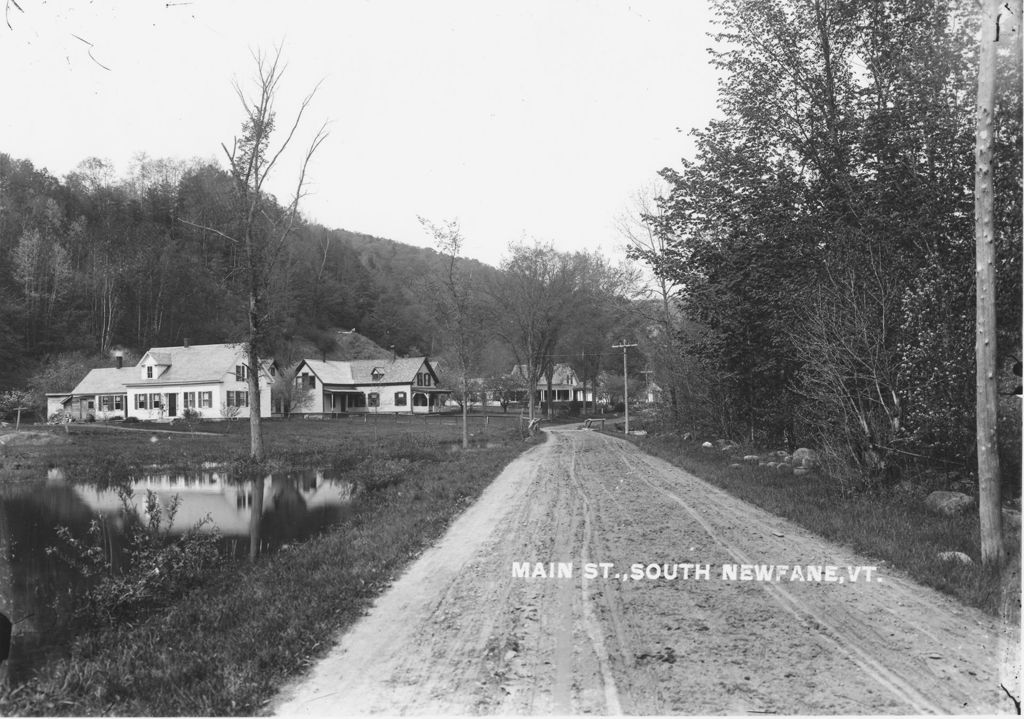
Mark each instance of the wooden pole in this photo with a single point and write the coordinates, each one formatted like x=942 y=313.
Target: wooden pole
x=625 y=378
x=993 y=550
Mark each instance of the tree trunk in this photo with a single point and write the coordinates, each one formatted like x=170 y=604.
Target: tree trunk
x=550 y=401
x=256 y=452
x=465 y=412
x=993 y=551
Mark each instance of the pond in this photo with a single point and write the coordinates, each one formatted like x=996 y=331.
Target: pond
x=37 y=587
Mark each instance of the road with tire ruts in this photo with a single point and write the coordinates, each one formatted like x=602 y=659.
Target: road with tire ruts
x=549 y=596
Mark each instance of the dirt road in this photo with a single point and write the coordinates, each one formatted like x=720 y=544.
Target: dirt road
x=460 y=633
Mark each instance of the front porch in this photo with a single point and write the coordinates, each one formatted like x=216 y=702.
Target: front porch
x=337 y=402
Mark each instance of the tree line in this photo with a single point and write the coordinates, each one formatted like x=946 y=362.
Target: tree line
x=818 y=248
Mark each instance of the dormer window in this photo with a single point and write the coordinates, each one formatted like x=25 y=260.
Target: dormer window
x=377 y=374
x=149 y=371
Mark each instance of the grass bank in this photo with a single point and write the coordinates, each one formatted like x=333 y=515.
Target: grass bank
x=883 y=524
x=225 y=647
x=84 y=447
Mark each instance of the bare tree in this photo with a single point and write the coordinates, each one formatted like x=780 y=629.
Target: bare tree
x=261 y=226
x=646 y=232
x=459 y=312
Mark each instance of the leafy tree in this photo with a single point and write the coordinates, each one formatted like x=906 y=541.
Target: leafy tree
x=532 y=302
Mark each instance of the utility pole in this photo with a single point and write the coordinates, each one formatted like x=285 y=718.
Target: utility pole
x=625 y=378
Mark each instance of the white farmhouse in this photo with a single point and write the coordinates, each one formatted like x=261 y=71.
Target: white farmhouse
x=383 y=385
x=210 y=379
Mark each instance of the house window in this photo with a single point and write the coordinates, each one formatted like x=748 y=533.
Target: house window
x=273 y=371
x=154 y=401
x=240 y=373
x=306 y=380
x=373 y=399
x=110 y=402
x=400 y=399
x=423 y=379
x=140 y=402
x=376 y=374
x=206 y=399
x=238 y=399
x=188 y=399
x=149 y=372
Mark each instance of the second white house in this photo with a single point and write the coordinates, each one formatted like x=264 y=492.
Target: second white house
x=406 y=384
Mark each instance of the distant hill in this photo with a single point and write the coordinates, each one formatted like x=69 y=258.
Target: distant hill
x=331 y=344
x=382 y=288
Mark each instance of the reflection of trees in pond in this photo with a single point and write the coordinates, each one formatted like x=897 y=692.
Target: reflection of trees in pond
x=39 y=587
x=301 y=503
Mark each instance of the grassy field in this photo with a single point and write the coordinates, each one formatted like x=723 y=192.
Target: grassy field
x=883 y=524
x=296 y=441
x=225 y=647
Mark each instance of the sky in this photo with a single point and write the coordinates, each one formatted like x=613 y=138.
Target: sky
x=522 y=120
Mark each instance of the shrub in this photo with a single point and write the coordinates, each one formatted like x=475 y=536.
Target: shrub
x=153 y=568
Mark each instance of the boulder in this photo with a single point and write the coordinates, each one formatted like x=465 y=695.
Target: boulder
x=948 y=503
x=708 y=445
x=804 y=457
x=735 y=465
x=751 y=458
x=955 y=557
x=771 y=465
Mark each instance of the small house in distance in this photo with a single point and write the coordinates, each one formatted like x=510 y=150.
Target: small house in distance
x=210 y=379
x=407 y=384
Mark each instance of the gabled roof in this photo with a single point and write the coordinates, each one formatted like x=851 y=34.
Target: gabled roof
x=563 y=374
x=401 y=370
x=106 y=380
x=195 y=363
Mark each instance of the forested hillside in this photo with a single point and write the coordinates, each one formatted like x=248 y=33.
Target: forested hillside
x=95 y=262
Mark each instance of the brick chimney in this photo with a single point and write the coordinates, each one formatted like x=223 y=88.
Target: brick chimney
x=185 y=340
x=120 y=359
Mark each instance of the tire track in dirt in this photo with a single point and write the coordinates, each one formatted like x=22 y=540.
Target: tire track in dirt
x=846 y=630
x=803 y=613
x=594 y=630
